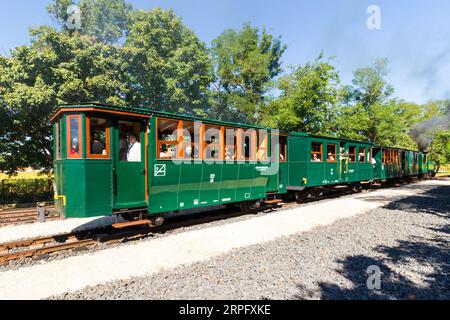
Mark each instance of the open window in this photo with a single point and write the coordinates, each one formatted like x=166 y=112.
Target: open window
x=283 y=148
x=213 y=142
x=362 y=154
x=167 y=139
x=129 y=141
x=331 y=153
x=74 y=141
x=246 y=144
x=316 y=152
x=261 y=154
x=57 y=141
x=230 y=144
x=369 y=155
x=191 y=140
x=352 y=153
x=97 y=138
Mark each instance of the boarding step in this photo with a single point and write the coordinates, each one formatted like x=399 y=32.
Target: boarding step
x=273 y=201
x=127 y=224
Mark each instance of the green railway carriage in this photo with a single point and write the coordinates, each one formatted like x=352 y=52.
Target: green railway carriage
x=392 y=163
x=136 y=162
x=322 y=161
x=111 y=159
x=388 y=163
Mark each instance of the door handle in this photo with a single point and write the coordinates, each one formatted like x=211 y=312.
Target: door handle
x=143 y=172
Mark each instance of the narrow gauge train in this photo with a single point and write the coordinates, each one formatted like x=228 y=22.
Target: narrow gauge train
x=144 y=164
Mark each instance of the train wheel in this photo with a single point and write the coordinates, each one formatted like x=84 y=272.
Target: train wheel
x=156 y=222
x=249 y=206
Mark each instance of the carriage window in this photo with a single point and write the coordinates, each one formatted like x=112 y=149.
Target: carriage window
x=230 y=144
x=369 y=155
x=212 y=143
x=331 y=153
x=283 y=148
x=261 y=154
x=246 y=144
x=362 y=154
x=384 y=155
x=352 y=153
x=74 y=136
x=191 y=140
x=316 y=152
x=167 y=139
x=129 y=141
x=97 y=138
x=57 y=141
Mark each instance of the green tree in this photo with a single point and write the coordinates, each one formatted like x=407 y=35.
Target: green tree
x=57 y=68
x=440 y=148
x=308 y=99
x=107 y=20
x=370 y=86
x=363 y=102
x=169 y=67
x=245 y=61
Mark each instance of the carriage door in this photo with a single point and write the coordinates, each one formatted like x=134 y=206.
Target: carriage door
x=129 y=165
x=343 y=161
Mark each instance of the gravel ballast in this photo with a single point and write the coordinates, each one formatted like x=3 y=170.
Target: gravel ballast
x=407 y=239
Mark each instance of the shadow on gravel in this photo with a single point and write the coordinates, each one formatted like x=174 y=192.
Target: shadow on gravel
x=432 y=254
x=434 y=201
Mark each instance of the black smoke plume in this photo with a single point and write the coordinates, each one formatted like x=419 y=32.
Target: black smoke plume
x=423 y=132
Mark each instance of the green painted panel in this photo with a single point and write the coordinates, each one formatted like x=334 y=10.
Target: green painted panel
x=165 y=182
x=189 y=188
x=210 y=184
x=99 y=187
x=244 y=183
x=229 y=181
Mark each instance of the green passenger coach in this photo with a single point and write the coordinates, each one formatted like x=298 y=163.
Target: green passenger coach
x=144 y=164
x=112 y=159
x=321 y=161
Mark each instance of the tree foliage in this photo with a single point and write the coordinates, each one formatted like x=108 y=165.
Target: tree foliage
x=308 y=99
x=440 y=148
x=106 y=20
x=169 y=67
x=245 y=61
x=151 y=59
x=57 y=68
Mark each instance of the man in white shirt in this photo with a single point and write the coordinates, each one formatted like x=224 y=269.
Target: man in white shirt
x=134 y=149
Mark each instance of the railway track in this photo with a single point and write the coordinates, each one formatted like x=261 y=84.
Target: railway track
x=22 y=216
x=41 y=247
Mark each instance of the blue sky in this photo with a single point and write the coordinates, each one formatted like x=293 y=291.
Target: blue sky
x=414 y=35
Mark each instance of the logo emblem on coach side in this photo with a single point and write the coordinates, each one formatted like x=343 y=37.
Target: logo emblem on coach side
x=160 y=170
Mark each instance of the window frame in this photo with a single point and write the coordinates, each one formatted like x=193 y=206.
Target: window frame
x=57 y=140
x=90 y=155
x=315 y=152
x=178 y=153
x=352 y=154
x=334 y=154
x=284 y=150
x=226 y=145
x=218 y=144
x=365 y=155
x=262 y=146
x=68 y=138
